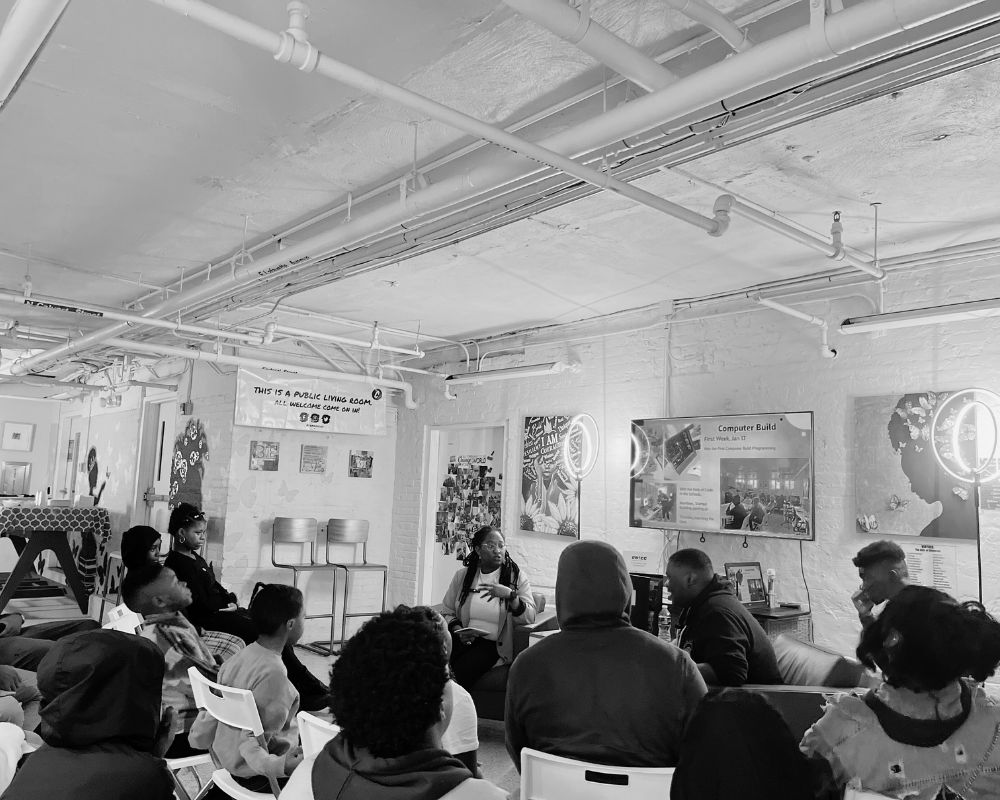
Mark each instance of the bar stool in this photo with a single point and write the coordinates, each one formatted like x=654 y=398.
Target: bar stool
x=355 y=532
x=300 y=531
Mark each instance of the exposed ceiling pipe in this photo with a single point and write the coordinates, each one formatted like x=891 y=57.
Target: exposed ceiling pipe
x=42 y=380
x=784 y=54
x=334 y=339
x=320 y=354
x=577 y=28
x=727 y=204
x=28 y=26
x=293 y=49
x=825 y=350
x=715 y=21
x=243 y=361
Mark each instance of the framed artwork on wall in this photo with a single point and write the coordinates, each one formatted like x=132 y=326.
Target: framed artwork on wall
x=17 y=436
x=550 y=495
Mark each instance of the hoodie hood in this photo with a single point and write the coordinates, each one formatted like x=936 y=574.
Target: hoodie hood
x=100 y=686
x=593 y=587
x=421 y=775
x=136 y=544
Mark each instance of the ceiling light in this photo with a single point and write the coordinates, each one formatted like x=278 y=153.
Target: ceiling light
x=935 y=315
x=508 y=373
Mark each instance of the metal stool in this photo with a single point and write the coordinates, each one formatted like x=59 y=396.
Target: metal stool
x=300 y=531
x=114 y=574
x=354 y=532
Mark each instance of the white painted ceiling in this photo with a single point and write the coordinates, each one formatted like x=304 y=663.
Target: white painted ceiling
x=141 y=144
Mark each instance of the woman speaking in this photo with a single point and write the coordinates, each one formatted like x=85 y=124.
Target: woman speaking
x=481 y=605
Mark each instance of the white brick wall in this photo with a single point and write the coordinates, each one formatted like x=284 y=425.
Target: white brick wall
x=759 y=361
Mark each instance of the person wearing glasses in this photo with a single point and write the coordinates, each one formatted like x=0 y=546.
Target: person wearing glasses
x=215 y=608
x=484 y=600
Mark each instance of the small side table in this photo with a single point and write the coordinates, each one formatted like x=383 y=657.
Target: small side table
x=37 y=541
x=795 y=622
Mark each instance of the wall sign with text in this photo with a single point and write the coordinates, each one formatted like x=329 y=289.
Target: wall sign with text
x=266 y=399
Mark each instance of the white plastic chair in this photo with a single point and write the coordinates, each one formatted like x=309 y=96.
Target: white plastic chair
x=548 y=777
x=124 y=619
x=236 y=708
x=192 y=763
x=314 y=733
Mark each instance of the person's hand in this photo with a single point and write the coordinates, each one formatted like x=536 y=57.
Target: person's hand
x=466 y=637
x=9 y=679
x=491 y=590
x=26 y=693
x=292 y=760
x=165 y=731
x=863 y=603
x=230 y=607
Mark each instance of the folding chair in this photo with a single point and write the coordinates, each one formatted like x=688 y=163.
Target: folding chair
x=314 y=733
x=236 y=708
x=124 y=619
x=548 y=777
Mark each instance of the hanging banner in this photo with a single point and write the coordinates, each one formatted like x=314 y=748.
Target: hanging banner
x=289 y=402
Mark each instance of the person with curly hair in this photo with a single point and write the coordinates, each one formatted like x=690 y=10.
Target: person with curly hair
x=389 y=698
x=486 y=597
x=909 y=431
x=929 y=730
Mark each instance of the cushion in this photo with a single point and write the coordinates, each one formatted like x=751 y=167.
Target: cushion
x=807 y=664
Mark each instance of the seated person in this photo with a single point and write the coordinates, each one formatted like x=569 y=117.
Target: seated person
x=599 y=689
x=101 y=723
x=154 y=591
x=726 y=642
x=389 y=698
x=882 y=569
x=140 y=546
x=214 y=608
x=738 y=745
x=489 y=593
x=461 y=737
x=17 y=696
x=25 y=647
x=278 y=613
x=929 y=730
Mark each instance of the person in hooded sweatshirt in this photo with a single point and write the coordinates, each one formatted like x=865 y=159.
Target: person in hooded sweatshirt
x=101 y=723
x=388 y=689
x=600 y=690
x=726 y=642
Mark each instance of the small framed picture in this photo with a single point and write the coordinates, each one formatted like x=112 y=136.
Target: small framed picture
x=748 y=582
x=18 y=436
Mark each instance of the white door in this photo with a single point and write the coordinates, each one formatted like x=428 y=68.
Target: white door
x=159 y=430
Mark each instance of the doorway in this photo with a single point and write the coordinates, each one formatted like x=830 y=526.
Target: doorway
x=159 y=425
x=463 y=488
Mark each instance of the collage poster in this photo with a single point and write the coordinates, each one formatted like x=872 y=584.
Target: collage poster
x=550 y=496
x=360 y=464
x=264 y=456
x=469 y=499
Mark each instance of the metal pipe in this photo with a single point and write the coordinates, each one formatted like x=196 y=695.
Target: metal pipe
x=329 y=337
x=715 y=21
x=825 y=350
x=25 y=32
x=579 y=29
x=320 y=354
x=242 y=361
x=772 y=59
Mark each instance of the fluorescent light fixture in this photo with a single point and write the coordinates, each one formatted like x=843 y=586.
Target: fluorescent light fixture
x=508 y=373
x=935 y=315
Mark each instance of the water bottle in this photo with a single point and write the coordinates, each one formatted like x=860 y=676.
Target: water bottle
x=664 y=624
x=772 y=589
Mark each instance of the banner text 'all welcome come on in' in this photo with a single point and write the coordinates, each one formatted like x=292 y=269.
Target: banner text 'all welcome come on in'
x=308 y=404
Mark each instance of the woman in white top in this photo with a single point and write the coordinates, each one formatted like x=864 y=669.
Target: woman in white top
x=484 y=600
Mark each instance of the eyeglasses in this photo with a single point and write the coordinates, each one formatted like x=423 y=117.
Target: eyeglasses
x=496 y=548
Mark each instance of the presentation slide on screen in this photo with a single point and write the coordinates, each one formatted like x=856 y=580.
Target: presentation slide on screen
x=748 y=475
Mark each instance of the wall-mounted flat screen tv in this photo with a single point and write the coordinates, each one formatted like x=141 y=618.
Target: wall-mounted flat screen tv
x=749 y=475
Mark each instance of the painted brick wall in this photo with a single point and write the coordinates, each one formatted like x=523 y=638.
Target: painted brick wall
x=759 y=361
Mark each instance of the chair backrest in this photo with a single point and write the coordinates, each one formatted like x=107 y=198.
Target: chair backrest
x=233 y=707
x=124 y=619
x=314 y=733
x=348 y=531
x=548 y=777
x=294 y=530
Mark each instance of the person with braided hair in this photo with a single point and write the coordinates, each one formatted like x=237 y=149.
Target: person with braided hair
x=484 y=600
x=930 y=730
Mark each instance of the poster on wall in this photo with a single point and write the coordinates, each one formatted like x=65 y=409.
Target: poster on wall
x=359 y=464
x=264 y=456
x=934 y=565
x=899 y=486
x=550 y=496
x=469 y=499
x=312 y=459
x=266 y=399
x=749 y=475
x=187 y=465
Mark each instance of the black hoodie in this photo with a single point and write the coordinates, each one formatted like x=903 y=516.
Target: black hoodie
x=600 y=690
x=100 y=713
x=716 y=629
